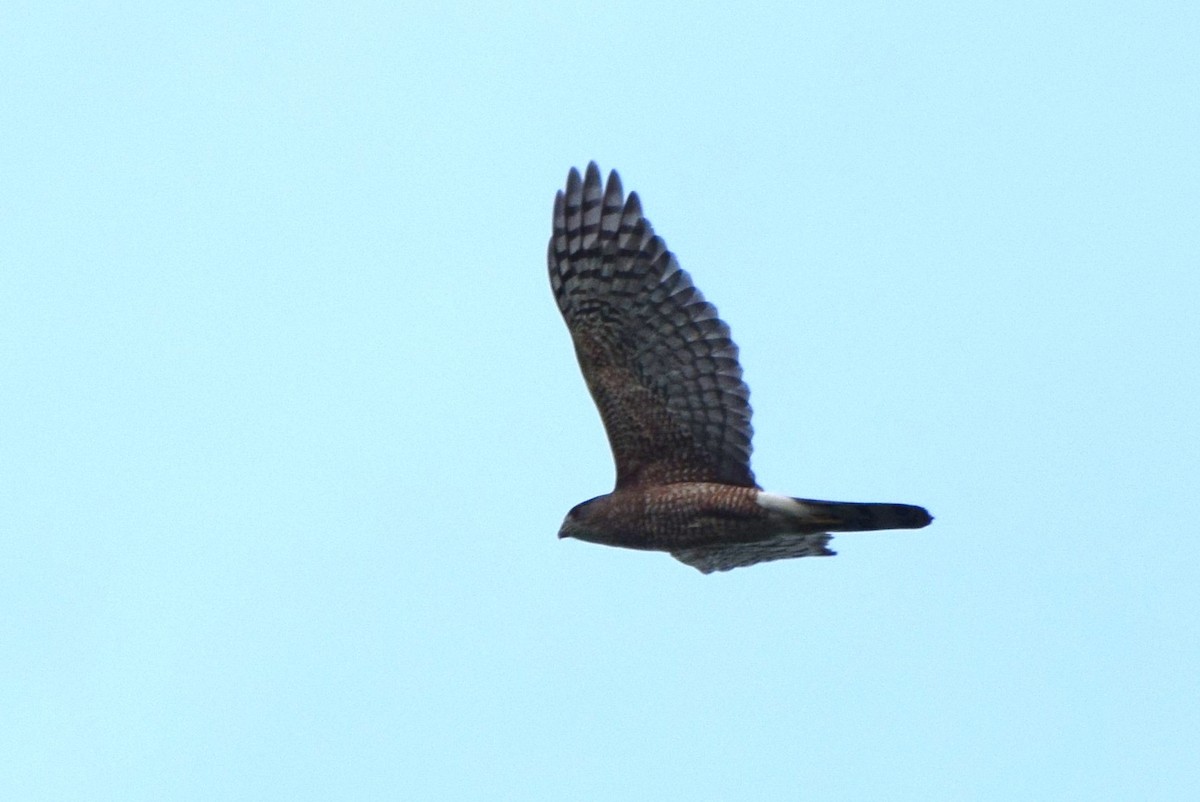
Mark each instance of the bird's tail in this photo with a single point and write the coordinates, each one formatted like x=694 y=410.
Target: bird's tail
x=847 y=516
x=805 y=523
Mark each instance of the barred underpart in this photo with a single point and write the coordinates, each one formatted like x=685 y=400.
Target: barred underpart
x=740 y=555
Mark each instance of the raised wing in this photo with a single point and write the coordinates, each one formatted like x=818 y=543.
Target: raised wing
x=659 y=362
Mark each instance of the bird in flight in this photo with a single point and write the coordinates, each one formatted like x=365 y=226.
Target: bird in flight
x=664 y=374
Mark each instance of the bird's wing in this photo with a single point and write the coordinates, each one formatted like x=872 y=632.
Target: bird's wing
x=659 y=362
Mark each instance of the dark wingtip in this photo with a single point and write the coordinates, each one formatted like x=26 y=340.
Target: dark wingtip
x=574 y=182
x=633 y=204
x=613 y=188
x=592 y=174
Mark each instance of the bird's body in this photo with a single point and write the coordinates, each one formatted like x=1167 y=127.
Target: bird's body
x=681 y=515
x=664 y=374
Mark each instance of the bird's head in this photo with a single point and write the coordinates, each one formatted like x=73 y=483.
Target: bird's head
x=577 y=522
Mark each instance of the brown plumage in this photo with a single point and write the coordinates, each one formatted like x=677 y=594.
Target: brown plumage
x=665 y=376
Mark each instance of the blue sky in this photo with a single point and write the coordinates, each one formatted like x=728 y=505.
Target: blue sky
x=288 y=418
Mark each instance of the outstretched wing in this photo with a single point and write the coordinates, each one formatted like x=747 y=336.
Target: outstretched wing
x=738 y=555
x=659 y=362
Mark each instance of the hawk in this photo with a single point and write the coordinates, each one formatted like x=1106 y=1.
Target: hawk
x=664 y=374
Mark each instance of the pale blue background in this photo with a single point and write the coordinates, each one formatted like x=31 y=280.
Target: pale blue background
x=288 y=418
